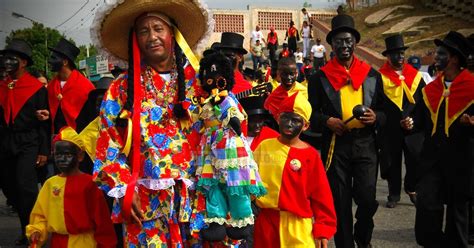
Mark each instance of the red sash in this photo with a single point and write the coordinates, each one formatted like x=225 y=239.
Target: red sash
x=71 y=97
x=338 y=76
x=14 y=97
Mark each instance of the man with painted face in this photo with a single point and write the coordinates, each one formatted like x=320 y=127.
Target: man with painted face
x=444 y=175
x=69 y=90
x=70 y=207
x=231 y=45
x=402 y=86
x=348 y=144
x=298 y=210
x=149 y=169
x=24 y=143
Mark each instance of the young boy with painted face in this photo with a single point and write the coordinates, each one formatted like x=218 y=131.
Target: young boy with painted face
x=298 y=189
x=70 y=206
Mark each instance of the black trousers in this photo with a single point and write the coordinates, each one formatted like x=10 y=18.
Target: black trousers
x=18 y=157
x=394 y=175
x=272 y=50
x=318 y=63
x=436 y=188
x=353 y=174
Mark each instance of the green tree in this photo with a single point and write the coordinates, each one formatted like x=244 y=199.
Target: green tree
x=40 y=38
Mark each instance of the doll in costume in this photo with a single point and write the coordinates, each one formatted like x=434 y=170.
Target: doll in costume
x=226 y=171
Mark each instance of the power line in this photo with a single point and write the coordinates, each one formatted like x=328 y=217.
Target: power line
x=84 y=19
x=75 y=13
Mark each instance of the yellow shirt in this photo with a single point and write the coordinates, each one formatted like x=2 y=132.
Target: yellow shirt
x=349 y=99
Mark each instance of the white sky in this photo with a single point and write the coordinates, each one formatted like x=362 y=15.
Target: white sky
x=54 y=12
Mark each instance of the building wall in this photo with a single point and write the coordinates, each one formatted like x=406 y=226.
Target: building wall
x=244 y=21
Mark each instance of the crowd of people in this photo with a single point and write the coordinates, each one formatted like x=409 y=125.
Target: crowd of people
x=187 y=149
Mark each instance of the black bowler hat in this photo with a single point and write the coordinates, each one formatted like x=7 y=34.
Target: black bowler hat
x=67 y=49
x=233 y=41
x=20 y=47
x=342 y=23
x=254 y=105
x=394 y=43
x=456 y=42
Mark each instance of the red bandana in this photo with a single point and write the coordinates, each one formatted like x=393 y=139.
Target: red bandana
x=408 y=74
x=460 y=93
x=12 y=99
x=338 y=76
x=71 y=97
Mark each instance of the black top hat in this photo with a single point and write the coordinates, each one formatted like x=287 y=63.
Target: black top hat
x=254 y=105
x=232 y=41
x=342 y=23
x=394 y=43
x=21 y=48
x=67 y=49
x=456 y=42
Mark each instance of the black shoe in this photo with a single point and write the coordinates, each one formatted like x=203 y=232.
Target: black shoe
x=391 y=204
x=412 y=196
x=21 y=241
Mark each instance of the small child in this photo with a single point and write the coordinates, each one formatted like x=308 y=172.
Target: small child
x=298 y=210
x=70 y=206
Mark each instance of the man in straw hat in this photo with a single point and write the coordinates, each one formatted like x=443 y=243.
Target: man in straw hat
x=348 y=148
x=23 y=138
x=402 y=86
x=152 y=183
x=444 y=175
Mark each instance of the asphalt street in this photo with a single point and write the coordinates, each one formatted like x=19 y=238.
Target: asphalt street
x=393 y=227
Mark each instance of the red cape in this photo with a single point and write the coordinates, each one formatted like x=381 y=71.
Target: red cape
x=12 y=100
x=409 y=73
x=338 y=76
x=74 y=95
x=240 y=83
x=460 y=93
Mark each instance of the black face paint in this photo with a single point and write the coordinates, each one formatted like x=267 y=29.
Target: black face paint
x=12 y=63
x=288 y=74
x=3 y=72
x=396 y=59
x=66 y=156
x=290 y=125
x=56 y=62
x=470 y=62
x=343 y=45
x=232 y=56
x=255 y=125
x=441 y=58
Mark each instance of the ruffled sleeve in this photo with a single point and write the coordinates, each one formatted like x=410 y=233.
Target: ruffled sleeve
x=111 y=171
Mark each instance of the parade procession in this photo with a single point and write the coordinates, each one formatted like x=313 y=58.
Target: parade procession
x=274 y=126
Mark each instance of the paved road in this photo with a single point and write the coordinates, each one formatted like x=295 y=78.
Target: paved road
x=393 y=227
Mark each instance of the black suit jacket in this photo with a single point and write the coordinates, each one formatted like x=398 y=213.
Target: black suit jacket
x=326 y=103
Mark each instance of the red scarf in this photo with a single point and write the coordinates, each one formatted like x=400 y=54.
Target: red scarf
x=460 y=93
x=240 y=83
x=71 y=97
x=338 y=76
x=12 y=100
x=408 y=73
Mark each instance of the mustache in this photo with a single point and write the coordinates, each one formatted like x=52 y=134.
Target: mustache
x=152 y=44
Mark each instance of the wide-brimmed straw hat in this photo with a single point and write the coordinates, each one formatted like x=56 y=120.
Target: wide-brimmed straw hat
x=114 y=20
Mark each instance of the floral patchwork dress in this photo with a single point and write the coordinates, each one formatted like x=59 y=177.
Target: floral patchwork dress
x=226 y=171
x=166 y=173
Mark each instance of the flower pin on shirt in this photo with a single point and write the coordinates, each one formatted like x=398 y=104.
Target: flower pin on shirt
x=56 y=190
x=295 y=164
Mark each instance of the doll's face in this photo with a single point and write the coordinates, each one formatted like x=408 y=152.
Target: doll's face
x=212 y=79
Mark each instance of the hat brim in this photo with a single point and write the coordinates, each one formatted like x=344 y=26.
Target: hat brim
x=342 y=29
x=384 y=53
x=24 y=55
x=115 y=26
x=448 y=44
x=238 y=49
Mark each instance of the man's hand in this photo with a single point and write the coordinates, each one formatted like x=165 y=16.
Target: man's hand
x=35 y=237
x=136 y=212
x=321 y=243
x=407 y=123
x=42 y=114
x=336 y=125
x=41 y=160
x=467 y=120
x=369 y=117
